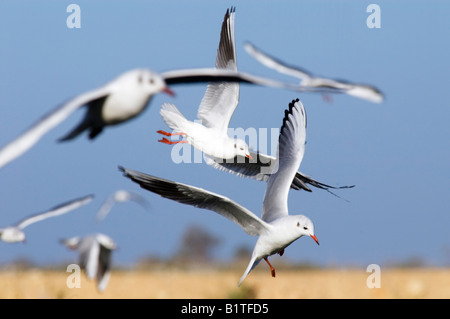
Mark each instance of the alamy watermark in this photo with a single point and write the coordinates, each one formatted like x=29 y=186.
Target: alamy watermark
x=74 y=279
x=374 y=19
x=74 y=18
x=265 y=139
x=374 y=279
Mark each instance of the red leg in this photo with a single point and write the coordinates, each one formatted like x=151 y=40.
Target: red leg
x=272 y=270
x=169 y=134
x=166 y=141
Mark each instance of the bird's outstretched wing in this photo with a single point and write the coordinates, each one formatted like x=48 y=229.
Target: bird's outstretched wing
x=55 y=211
x=200 y=198
x=291 y=148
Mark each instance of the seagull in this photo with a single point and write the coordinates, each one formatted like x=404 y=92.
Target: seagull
x=15 y=233
x=362 y=91
x=120 y=196
x=123 y=99
x=276 y=228
x=216 y=108
x=94 y=256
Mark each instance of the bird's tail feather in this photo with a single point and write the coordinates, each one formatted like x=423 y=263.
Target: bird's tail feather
x=172 y=117
x=252 y=264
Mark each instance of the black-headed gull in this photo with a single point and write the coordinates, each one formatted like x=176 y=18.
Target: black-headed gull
x=120 y=196
x=362 y=91
x=15 y=233
x=94 y=256
x=216 y=108
x=276 y=228
x=122 y=99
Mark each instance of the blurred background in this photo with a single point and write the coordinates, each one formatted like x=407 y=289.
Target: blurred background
x=396 y=153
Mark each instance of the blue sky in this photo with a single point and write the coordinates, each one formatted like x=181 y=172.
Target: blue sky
x=396 y=153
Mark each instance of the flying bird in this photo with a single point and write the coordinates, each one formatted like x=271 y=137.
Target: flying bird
x=121 y=100
x=216 y=108
x=94 y=256
x=120 y=196
x=15 y=233
x=276 y=229
x=362 y=91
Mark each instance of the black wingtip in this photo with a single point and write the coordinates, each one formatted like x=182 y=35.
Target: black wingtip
x=287 y=112
x=123 y=170
x=229 y=11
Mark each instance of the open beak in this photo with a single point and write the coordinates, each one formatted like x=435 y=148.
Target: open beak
x=249 y=156
x=169 y=91
x=315 y=239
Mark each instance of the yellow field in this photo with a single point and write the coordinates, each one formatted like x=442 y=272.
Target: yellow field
x=395 y=283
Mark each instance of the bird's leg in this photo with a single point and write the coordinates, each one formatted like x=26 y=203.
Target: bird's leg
x=281 y=252
x=272 y=270
x=166 y=141
x=170 y=134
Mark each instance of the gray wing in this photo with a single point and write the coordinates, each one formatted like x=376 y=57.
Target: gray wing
x=291 y=148
x=362 y=91
x=89 y=251
x=106 y=207
x=276 y=64
x=185 y=76
x=258 y=168
x=221 y=98
x=104 y=268
x=261 y=167
x=118 y=197
x=32 y=135
x=200 y=198
x=55 y=211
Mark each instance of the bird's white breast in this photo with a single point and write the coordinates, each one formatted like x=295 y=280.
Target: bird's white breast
x=124 y=104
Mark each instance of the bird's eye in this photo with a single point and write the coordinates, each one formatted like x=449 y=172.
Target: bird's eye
x=298 y=224
x=235 y=145
x=140 y=79
x=151 y=81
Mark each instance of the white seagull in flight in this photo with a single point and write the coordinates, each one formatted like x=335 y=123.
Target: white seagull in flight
x=276 y=228
x=94 y=256
x=362 y=91
x=216 y=108
x=124 y=98
x=15 y=233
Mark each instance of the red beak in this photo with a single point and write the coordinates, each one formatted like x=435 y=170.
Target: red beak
x=169 y=91
x=315 y=239
x=249 y=156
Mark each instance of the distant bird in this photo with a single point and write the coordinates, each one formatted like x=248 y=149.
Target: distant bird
x=215 y=112
x=362 y=91
x=276 y=229
x=15 y=233
x=120 y=196
x=94 y=256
